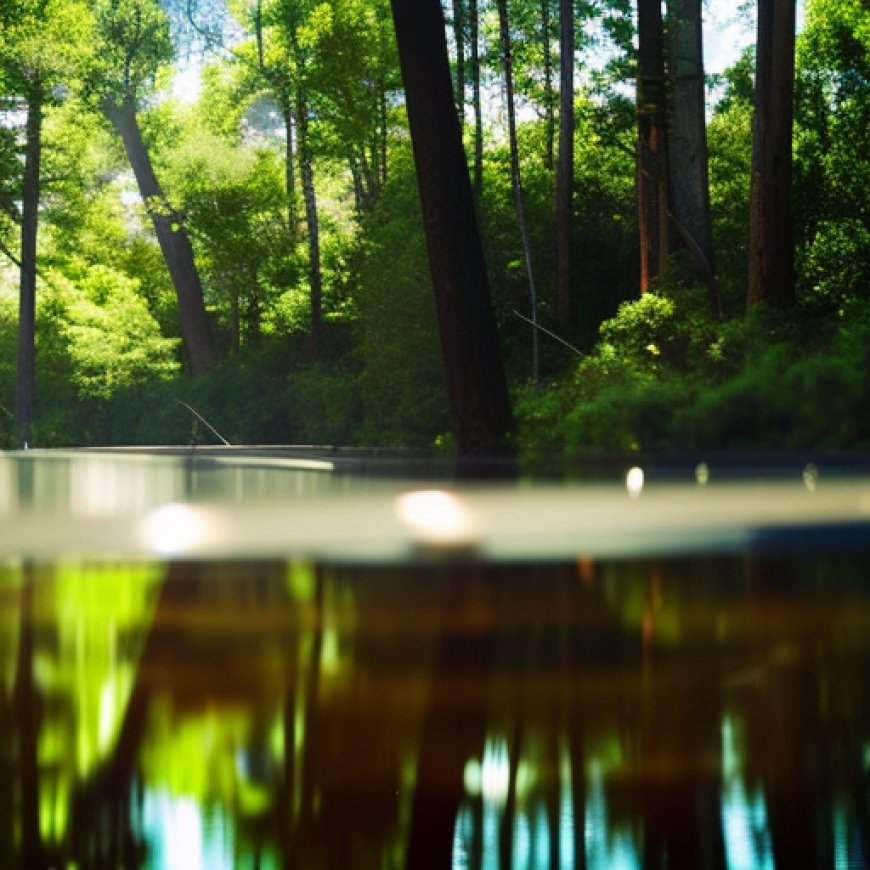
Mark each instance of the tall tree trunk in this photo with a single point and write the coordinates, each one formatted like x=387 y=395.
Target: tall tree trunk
x=687 y=143
x=652 y=176
x=459 y=39
x=473 y=367
x=516 y=176
x=171 y=236
x=309 y=195
x=549 y=100
x=565 y=166
x=474 y=38
x=26 y=374
x=290 y=166
x=771 y=235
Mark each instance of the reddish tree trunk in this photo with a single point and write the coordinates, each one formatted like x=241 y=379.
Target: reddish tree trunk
x=771 y=235
x=652 y=175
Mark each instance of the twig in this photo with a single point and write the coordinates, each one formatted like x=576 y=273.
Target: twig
x=547 y=332
x=204 y=421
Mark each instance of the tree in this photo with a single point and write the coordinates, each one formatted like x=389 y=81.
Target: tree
x=516 y=175
x=476 y=385
x=687 y=140
x=771 y=234
x=40 y=43
x=565 y=166
x=652 y=174
x=134 y=42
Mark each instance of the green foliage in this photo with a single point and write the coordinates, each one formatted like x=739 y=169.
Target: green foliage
x=233 y=202
x=666 y=376
x=729 y=137
x=401 y=387
x=132 y=45
x=658 y=372
x=832 y=147
x=106 y=333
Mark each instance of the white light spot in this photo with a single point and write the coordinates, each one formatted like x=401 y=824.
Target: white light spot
x=436 y=517
x=702 y=473
x=634 y=481
x=811 y=476
x=177 y=528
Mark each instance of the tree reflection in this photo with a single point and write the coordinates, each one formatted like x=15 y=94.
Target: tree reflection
x=703 y=713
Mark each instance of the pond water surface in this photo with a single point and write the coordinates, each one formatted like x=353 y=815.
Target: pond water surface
x=415 y=692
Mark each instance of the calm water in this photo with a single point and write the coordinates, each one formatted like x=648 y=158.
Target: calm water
x=436 y=709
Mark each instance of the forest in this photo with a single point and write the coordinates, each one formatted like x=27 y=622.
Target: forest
x=668 y=259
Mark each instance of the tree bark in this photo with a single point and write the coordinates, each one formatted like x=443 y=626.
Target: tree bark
x=26 y=374
x=473 y=366
x=771 y=234
x=171 y=236
x=687 y=140
x=516 y=177
x=652 y=176
x=565 y=166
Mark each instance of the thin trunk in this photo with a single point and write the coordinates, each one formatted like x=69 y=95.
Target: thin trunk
x=382 y=115
x=687 y=151
x=171 y=236
x=26 y=375
x=565 y=167
x=459 y=39
x=771 y=235
x=652 y=184
x=309 y=195
x=474 y=37
x=516 y=177
x=549 y=100
x=290 y=168
x=473 y=367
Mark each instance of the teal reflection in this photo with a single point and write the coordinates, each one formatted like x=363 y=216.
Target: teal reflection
x=744 y=813
x=606 y=847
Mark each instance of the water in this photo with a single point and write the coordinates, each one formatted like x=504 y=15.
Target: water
x=420 y=683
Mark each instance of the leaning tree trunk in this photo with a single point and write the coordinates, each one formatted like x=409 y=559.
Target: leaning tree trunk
x=473 y=366
x=171 y=236
x=687 y=151
x=516 y=177
x=565 y=166
x=652 y=175
x=771 y=234
x=26 y=374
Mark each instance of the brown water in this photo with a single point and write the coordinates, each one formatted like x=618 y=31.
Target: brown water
x=704 y=712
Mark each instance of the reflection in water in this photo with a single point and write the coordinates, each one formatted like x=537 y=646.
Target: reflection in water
x=704 y=714
x=744 y=816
